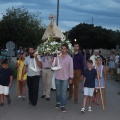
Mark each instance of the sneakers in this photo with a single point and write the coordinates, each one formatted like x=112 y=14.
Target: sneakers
x=89 y=109
x=23 y=97
x=48 y=99
x=19 y=96
x=63 y=109
x=43 y=96
x=57 y=106
x=83 y=110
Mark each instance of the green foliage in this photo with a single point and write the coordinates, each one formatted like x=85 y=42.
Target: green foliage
x=116 y=38
x=21 y=27
x=90 y=36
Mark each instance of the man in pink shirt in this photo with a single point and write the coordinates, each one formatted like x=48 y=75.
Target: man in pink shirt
x=46 y=76
x=63 y=77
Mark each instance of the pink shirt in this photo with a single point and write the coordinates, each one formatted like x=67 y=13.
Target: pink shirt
x=67 y=68
x=46 y=62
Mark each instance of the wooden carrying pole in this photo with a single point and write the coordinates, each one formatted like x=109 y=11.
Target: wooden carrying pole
x=98 y=76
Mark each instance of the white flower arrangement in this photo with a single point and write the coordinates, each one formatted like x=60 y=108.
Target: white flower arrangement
x=52 y=46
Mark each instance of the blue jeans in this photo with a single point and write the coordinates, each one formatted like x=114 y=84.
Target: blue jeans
x=61 y=92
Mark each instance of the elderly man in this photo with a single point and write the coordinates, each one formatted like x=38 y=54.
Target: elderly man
x=94 y=56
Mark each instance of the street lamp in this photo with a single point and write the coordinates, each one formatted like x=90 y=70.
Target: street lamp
x=57 y=12
x=75 y=40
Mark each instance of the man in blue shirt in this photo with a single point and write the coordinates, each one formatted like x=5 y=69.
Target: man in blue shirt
x=89 y=84
x=78 y=63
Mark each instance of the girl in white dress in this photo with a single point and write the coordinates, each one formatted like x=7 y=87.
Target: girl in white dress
x=102 y=72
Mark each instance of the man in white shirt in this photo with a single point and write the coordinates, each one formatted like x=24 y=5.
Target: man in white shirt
x=33 y=68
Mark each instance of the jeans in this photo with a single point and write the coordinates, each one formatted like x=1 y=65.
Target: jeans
x=61 y=92
x=33 y=88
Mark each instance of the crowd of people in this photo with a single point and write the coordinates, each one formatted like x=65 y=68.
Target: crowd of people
x=69 y=71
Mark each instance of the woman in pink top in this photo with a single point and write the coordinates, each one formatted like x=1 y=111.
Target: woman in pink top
x=63 y=77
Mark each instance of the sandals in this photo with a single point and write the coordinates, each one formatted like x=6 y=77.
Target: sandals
x=2 y=104
x=9 y=100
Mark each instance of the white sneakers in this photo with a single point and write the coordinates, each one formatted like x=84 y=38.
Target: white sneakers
x=89 y=109
x=83 y=110
x=19 y=96
x=23 y=97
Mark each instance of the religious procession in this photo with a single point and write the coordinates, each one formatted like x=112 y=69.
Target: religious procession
x=61 y=66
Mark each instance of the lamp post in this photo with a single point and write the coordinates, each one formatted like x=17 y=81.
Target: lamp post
x=57 y=12
x=75 y=40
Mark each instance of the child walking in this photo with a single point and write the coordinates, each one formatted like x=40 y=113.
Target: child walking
x=89 y=85
x=102 y=72
x=6 y=79
x=22 y=82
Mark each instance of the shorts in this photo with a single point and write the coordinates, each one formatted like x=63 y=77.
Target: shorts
x=118 y=71
x=4 y=90
x=88 y=91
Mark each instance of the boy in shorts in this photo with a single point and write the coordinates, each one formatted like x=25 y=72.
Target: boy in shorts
x=5 y=81
x=89 y=85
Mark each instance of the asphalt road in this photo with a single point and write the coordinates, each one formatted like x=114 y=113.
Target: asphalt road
x=20 y=110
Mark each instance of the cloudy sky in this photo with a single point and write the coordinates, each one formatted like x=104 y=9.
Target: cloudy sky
x=105 y=13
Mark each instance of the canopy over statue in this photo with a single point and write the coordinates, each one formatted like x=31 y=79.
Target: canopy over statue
x=52 y=30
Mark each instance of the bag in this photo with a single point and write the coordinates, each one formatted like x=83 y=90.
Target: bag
x=54 y=68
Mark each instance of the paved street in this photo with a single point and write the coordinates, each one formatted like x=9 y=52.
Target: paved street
x=20 y=110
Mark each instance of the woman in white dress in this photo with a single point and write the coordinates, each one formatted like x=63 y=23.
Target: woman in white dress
x=112 y=64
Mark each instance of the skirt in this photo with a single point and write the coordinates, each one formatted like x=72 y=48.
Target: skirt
x=112 y=64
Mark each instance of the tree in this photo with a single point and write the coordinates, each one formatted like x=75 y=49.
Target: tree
x=21 y=27
x=90 y=36
x=116 y=38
